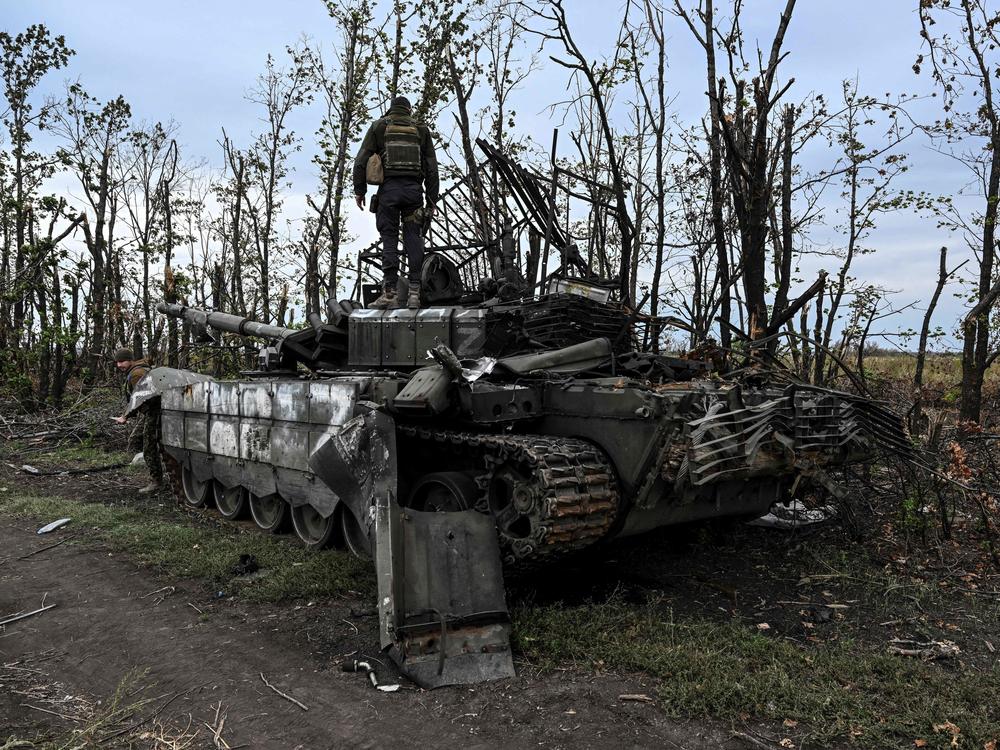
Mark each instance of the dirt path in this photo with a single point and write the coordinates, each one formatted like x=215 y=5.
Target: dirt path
x=107 y=624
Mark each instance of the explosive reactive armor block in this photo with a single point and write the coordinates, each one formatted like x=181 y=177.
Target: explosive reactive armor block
x=401 y=338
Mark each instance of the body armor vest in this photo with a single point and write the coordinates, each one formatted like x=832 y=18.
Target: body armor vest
x=402 y=147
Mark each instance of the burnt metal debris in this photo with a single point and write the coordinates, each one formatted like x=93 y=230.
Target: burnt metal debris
x=506 y=423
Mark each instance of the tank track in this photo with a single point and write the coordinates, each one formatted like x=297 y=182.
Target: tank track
x=566 y=491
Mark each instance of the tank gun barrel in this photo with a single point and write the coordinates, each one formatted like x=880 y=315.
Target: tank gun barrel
x=221 y=321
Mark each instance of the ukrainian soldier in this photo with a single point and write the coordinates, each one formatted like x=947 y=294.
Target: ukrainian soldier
x=408 y=167
x=134 y=370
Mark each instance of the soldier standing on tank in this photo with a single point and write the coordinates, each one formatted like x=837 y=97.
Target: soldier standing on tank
x=408 y=163
x=135 y=370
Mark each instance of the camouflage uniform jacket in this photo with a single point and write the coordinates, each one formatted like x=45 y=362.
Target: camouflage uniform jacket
x=150 y=421
x=135 y=373
x=374 y=143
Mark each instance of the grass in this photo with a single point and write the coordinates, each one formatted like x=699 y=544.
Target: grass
x=178 y=548
x=108 y=723
x=84 y=454
x=834 y=691
x=943 y=371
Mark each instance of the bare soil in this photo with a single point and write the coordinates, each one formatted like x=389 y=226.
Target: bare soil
x=201 y=652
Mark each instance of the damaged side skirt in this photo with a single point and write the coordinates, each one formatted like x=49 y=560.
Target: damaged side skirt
x=442 y=613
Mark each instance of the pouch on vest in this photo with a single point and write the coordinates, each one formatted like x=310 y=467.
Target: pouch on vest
x=374 y=174
x=402 y=148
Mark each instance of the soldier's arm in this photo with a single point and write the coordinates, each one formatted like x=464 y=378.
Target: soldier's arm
x=122 y=418
x=432 y=181
x=133 y=378
x=369 y=146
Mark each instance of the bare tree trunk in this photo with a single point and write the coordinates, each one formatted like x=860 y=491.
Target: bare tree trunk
x=715 y=169
x=976 y=329
x=863 y=341
x=218 y=303
x=355 y=82
x=5 y=280
x=462 y=97
x=282 y=305
x=580 y=64
x=74 y=329
x=58 y=357
x=638 y=211
x=784 y=264
x=93 y=133
x=397 y=49
x=170 y=295
x=817 y=333
x=749 y=156
x=918 y=372
x=654 y=16
x=95 y=342
x=237 y=163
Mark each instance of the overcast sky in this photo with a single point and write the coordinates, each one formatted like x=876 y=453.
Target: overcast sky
x=193 y=60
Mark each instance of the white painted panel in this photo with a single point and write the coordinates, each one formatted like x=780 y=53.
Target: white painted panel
x=225 y=398
x=196 y=432
x=255 y=441
x=194 y=397
x=224 y=436
x=172 y=399
x=172 y=428
x=291 y=401
x=332 y=403
x=290 y=446
x=256 y=400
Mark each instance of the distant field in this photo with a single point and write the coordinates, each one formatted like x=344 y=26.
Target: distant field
x=940 y=370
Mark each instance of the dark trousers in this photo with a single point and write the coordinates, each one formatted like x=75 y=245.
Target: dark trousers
x=398 y=197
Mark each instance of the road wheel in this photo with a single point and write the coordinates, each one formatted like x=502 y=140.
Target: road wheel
x=444 y=492
x=354 y=535
x=196 y=493
x=269 y=512
x=315 y=531
x=231 y=501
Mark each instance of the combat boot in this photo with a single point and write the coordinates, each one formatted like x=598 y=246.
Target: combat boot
x=152 y=487
x=413 y=300
x=386 y=301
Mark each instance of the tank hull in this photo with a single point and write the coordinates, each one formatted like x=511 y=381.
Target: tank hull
x=257 y=434
x=444 y=469
x=672 y=455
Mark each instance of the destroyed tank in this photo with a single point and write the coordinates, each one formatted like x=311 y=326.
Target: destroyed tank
x=487 y=431
x=415 y=440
